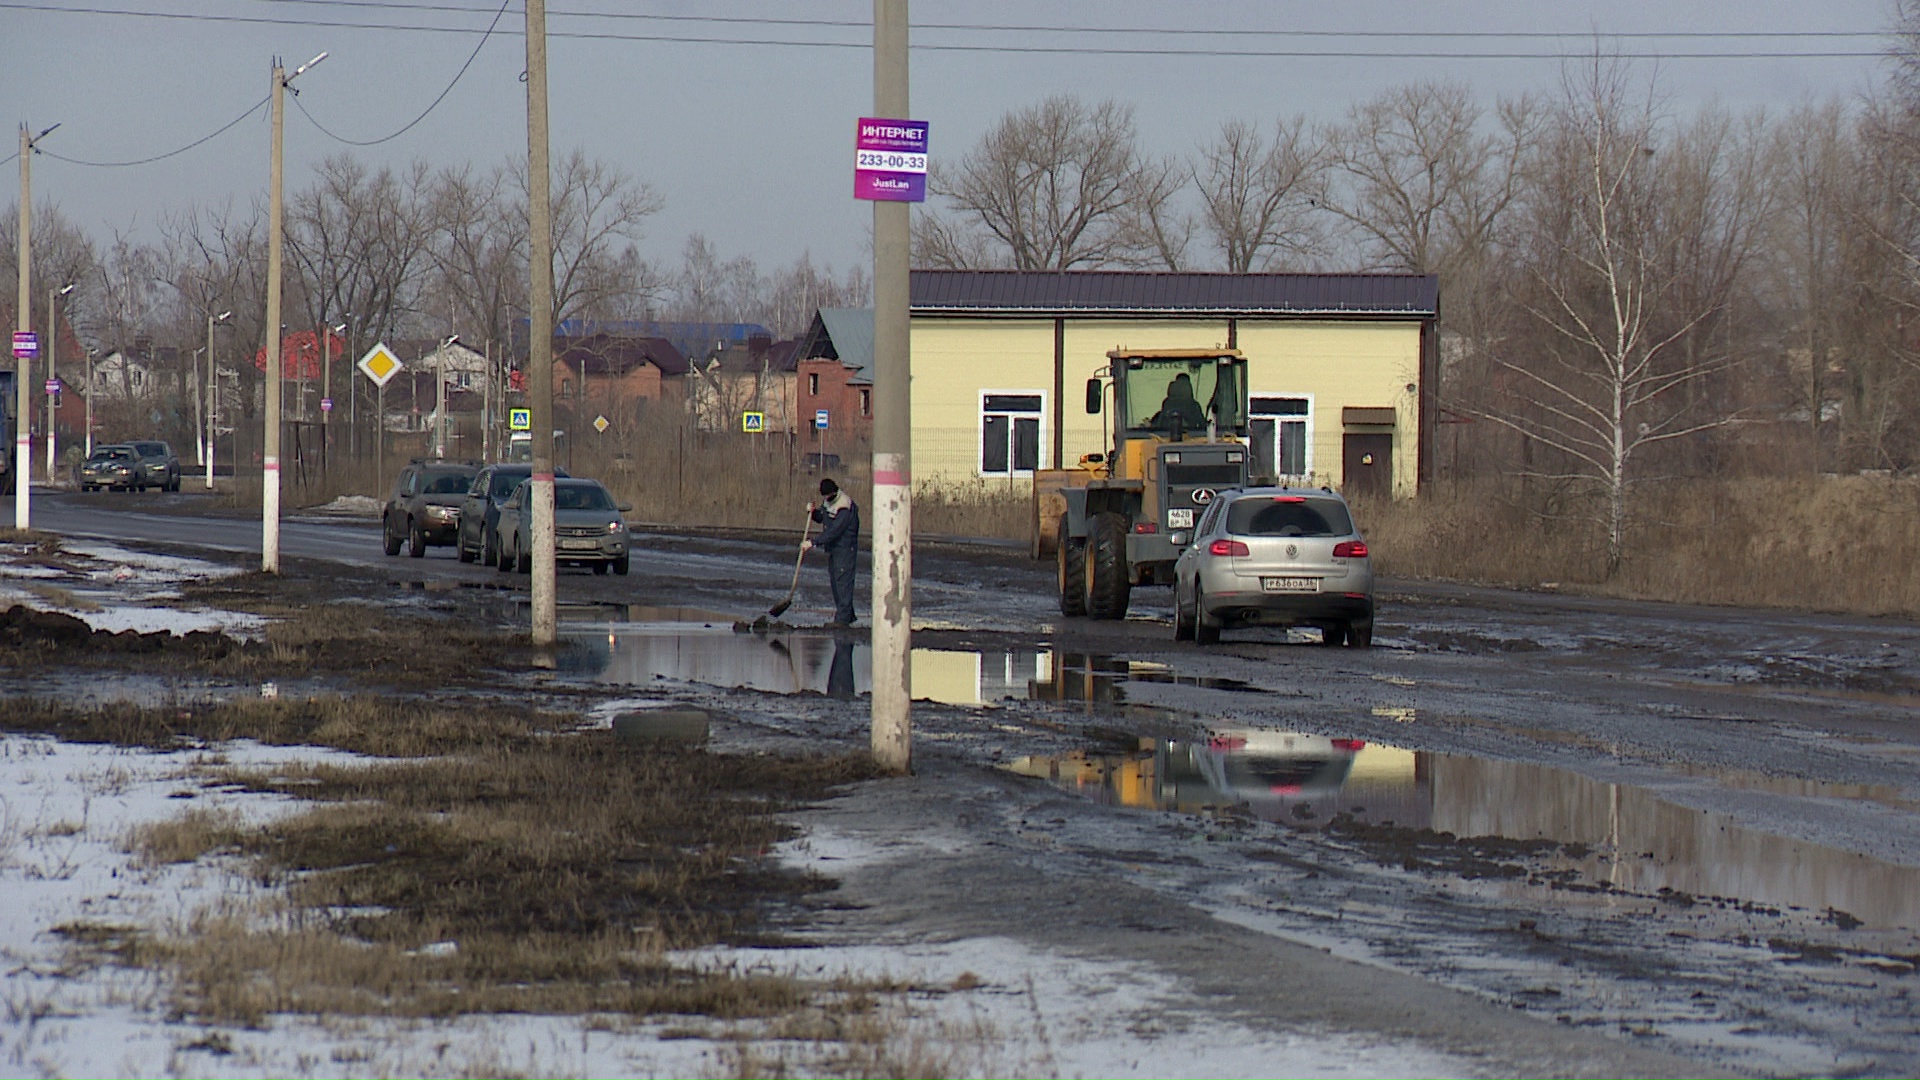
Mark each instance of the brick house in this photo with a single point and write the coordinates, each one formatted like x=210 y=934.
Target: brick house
x=834 y=370
x=619 y=377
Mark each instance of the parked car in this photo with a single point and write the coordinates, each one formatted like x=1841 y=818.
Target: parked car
x=480 y=510
x=112 y=466
x=587 y=524
x=424 y=508
x=1275 y=556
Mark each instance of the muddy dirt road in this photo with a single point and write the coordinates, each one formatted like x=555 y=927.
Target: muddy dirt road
x=1546 y=833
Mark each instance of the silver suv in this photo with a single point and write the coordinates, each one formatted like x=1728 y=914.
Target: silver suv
x=1275 y=556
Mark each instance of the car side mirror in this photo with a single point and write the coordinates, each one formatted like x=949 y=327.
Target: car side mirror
x=625 y=508
x=1094 y=397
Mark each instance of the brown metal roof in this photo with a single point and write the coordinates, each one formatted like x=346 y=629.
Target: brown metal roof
x=1135 y=293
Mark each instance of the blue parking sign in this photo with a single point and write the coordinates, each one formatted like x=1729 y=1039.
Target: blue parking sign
x=820 y=419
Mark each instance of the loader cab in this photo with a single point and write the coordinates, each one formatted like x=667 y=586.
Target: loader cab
x=1175 y=396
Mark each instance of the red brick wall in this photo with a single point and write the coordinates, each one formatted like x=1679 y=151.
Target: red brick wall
x=842 y=401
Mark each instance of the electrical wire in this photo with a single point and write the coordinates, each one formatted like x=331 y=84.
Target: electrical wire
x=761 y=20
x=251 y=109
x=925 y=47
x=423 y=115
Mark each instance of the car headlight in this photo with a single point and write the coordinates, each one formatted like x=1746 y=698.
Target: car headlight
x=615 y=526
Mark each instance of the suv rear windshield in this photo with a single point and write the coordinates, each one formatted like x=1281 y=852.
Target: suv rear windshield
x=1288 y=515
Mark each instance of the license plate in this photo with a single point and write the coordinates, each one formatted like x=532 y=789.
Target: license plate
x=1290 y=584
x=579 y=545
x=1180 y=519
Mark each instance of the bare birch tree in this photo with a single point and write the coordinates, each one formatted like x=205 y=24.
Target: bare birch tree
x=1614 y=264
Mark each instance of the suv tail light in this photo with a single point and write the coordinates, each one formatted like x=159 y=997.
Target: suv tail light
x=1350 y=549
x=1350 y=745
x=1228 y=547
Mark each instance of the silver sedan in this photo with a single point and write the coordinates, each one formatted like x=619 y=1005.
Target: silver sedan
x=1275 y=557
x=588 y=528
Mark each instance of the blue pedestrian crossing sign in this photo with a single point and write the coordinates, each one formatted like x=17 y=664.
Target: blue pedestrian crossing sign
x=520 y=419
x=753 y=421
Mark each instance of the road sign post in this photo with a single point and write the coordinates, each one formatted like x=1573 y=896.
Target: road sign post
x=753 y=422
x=380 y=366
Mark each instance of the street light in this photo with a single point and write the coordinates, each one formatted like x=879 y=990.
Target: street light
x=207 y=443
x=53 y=342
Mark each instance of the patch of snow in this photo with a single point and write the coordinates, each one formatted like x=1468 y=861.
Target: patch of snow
x=145 y=566
x=350 y=505
x=146 y=620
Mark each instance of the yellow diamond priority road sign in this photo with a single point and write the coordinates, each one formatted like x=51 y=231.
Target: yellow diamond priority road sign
x=380 y=364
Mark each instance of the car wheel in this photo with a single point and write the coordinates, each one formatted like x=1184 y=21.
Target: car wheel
x=620 y=565
x=1071 y=554
x=391 y=541
x=601 y=567
x=416 y=539
x=461 y=549
x=522 y=560
x=502 y=559
x=1333 y=634
x=489 y=552
x=1206 y=628
x=1107 y=584
x=1182 y=631
x=1359 y=635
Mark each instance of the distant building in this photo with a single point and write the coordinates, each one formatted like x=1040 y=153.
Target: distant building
x=756 y=375
x=834 y=370
x=620 y=377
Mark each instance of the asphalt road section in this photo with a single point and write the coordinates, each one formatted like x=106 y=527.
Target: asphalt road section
x=1653 y=839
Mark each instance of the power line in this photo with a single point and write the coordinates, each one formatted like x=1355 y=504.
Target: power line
x=423 y=115
x=251 y=109
x=860 y=24
x=1077 y=50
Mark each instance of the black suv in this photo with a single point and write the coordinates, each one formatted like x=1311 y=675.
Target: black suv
x=480 y=513
x=425 y=506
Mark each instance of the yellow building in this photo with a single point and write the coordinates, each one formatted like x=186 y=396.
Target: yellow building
x=1338 y=367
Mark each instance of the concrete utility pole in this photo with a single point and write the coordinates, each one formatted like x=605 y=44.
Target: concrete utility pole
x=276 y=227
x=53 y=344
x=23 y=367
x=892 y=428
x=213 y=380
x=540 y=327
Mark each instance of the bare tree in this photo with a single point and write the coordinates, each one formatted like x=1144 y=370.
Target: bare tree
x=479 y=249
x=1055 y=186
x=1417 y=181
x=1629 y=254
x=599 y=213
x=1259 y=193
x=359 y=243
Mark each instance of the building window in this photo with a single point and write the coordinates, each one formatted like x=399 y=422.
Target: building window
x=566 y=387
x=813 y=383
x=866 y=402
x=1010 y=433
x=1280 y=429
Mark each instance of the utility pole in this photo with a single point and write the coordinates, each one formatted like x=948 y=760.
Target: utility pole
x=540 y=327
x=23 y=366
x=53 y=344
x=213 y=380
x=270 y=458
x=892 y=429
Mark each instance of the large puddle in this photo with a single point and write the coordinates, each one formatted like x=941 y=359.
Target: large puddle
x=1615 y=836
x=648 y=645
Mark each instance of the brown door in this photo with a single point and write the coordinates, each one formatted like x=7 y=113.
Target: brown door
x=1366 y=466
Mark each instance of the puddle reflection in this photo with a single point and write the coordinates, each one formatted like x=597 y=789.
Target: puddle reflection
x=1632 y=838
x=694 y=646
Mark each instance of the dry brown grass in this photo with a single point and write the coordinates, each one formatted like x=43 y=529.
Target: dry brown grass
x=542 y=875
x=363 y=724
x=1833 y=543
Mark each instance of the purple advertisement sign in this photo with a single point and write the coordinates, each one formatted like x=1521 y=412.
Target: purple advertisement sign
x=890 y=160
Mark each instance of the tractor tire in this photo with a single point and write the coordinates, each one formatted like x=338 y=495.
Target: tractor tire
x=1108 y=587
x=1206 y=628
x=1070 y=553
x=391 y=542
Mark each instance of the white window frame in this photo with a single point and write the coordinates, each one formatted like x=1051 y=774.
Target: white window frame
x=980 y=433
x=1287 y=418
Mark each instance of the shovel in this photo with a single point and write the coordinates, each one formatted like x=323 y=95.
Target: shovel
x=780 y=608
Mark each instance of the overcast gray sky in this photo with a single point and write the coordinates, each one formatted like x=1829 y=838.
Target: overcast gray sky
x=751 y=143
